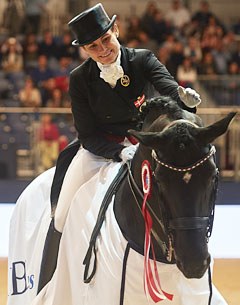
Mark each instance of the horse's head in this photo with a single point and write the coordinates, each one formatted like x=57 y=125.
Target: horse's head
x=185 y=175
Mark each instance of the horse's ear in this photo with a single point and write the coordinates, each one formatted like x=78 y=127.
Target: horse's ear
x=151 y=139
x=206 y=135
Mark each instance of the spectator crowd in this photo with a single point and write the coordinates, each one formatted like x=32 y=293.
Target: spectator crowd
x=35 y=64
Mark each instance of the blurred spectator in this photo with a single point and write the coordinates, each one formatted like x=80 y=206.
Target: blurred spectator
x=33 y=13
x=192 y=29
x=145 y=42
x=60 y=78
x=186 y=73
x=66 y=49
x=133 y=28
x=169 y=42
x=30 y=51
x=56 y=100
x=30 y=96
x=236 y=27
x=234 y=83
x=230 y=42
x=193 y=50
x=221 y=56
x=48 y=141
x=12 y=63
x=163 y=55
x=41 y=75
x=211 y=33
x=178 y=15
x=215 y=26
x=64 y=67
x=207 y=66
x=207 y=42
x=47 y=46
x=176 y=58
x=236 y=54
x=160 y=27
x=229 y=89
x=14 y=11
x=12 y=57
x=202 y=15
x=147 y=19
x=233 y=68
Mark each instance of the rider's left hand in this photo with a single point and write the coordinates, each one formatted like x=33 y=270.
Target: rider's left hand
x=128 y=152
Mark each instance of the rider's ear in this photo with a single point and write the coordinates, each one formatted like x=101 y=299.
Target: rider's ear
x=116 y=30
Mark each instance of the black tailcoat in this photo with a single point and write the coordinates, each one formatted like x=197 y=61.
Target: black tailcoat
x=99 y=110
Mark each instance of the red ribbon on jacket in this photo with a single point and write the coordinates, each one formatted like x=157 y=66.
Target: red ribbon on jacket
x=152 y=285
x=139 y=101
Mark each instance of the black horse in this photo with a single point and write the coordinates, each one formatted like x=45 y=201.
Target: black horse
x=184 y=189
x=180 y=189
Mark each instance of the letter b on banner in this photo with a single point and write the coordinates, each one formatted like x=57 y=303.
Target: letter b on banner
x=19 y=278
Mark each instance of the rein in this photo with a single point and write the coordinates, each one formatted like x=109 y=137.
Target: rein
x=133 y=185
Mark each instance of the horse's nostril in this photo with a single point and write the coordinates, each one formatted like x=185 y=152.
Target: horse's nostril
x=207 y=261
x=194 y=270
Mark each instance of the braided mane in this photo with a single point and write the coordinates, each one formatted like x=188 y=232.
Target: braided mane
x=163 y=105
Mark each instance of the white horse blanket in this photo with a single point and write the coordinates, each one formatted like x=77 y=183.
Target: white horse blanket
x=67 y=286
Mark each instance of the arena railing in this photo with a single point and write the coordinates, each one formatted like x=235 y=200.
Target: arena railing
x=19 y=136
x=219 y=90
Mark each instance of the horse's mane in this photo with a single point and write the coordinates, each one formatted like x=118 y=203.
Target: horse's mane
x=163 y=105
x=152 y=112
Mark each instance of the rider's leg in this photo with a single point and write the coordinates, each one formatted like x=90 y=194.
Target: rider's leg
x=83 y=166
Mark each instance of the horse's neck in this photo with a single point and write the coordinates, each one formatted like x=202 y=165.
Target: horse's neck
x=127 y=208
x=128 y=204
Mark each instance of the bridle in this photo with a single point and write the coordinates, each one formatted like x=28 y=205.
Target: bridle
x=181 y=223
x=211 y=152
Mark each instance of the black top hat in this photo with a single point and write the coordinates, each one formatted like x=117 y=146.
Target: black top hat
x=90 y=25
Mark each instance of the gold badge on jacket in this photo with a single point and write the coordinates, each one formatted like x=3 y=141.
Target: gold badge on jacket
x=125 y=80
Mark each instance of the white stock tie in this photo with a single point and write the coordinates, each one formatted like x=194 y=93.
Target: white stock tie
x=111 y=73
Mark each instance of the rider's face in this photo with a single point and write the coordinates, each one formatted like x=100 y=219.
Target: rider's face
x=106 y=48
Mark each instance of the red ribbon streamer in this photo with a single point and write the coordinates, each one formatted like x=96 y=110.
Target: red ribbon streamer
x=152 y=284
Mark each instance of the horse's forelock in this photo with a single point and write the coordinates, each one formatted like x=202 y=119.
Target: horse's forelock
x=178 y=141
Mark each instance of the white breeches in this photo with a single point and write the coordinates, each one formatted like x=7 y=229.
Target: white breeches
x=83 y=166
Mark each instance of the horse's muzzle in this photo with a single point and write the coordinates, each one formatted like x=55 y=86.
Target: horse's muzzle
x=194 y=269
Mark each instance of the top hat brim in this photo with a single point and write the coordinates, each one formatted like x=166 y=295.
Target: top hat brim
x=97 y=35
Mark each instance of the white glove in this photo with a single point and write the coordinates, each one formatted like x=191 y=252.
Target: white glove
x=189 y=97
x=128 y=152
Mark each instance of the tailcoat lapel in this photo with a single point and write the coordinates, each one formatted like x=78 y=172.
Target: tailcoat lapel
x=121 y=98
